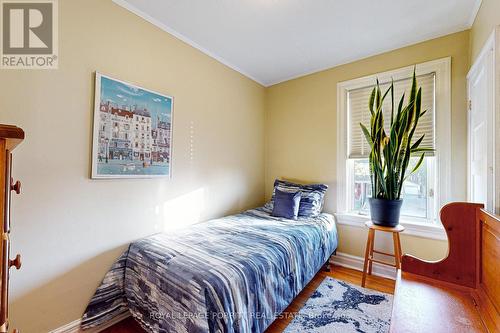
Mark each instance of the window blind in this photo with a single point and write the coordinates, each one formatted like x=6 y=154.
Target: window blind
x=359 y=112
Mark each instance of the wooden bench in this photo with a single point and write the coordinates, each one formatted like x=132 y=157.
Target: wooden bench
x=460 y=293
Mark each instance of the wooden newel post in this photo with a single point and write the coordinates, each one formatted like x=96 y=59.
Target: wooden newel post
x=10 y=137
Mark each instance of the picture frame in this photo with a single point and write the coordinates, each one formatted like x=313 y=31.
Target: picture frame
x=132 y=131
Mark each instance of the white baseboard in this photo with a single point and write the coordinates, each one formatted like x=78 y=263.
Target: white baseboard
x=340 y=259
x=354 y=262
x=74 y=326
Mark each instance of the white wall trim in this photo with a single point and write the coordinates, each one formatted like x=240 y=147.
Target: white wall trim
x=428 y=37
x=488 y=51
x=496 y=115
x=473 y=13
x=490 y=48
x=164 y=27
x=341 y=187
x=424 y=230
x=74 y=326
x=355 y=262
x=442 y=68
x=340 y=259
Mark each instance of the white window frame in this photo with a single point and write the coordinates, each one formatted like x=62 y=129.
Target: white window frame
x=442 y=69
x=431 y=185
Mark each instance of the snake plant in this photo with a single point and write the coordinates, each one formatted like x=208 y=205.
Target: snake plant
x=390 y=153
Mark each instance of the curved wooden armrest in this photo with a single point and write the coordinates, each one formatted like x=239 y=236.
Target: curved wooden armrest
x=459 y=266
x=408 y=259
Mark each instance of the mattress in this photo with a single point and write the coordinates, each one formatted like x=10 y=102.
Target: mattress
x=233 y=274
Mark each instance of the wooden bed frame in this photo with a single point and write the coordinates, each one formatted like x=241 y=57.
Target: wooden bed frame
x=460 y=293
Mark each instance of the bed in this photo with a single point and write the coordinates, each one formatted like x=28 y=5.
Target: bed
x=233 y=274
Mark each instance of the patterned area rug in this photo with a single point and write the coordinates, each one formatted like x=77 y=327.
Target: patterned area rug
x=338 y=306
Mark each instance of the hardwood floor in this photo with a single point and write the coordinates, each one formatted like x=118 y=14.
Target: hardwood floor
x=129 y=325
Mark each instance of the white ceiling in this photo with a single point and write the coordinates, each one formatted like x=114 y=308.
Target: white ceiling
x=272 y=41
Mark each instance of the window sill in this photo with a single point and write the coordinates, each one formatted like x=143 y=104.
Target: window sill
x=425 y=230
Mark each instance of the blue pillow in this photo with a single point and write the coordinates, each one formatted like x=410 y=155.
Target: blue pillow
x=312 y=196
x=286 y=204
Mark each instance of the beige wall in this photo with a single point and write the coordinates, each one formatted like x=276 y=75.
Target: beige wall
x=70 y=228
x=301 y=136
x=486 y=20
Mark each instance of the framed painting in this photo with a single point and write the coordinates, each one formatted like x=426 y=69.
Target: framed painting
x=132 y=131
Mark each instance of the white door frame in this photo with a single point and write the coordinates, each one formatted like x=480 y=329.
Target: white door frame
x=492 y=44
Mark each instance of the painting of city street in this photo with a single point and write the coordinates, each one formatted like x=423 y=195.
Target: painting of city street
x=132 y=131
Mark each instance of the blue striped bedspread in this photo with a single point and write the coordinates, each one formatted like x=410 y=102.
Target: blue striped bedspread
x=233 y=274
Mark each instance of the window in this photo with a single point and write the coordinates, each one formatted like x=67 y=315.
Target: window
x=418 y=190
x=425 y=190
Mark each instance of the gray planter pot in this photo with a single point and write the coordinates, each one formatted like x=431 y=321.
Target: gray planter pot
x=385 y=212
